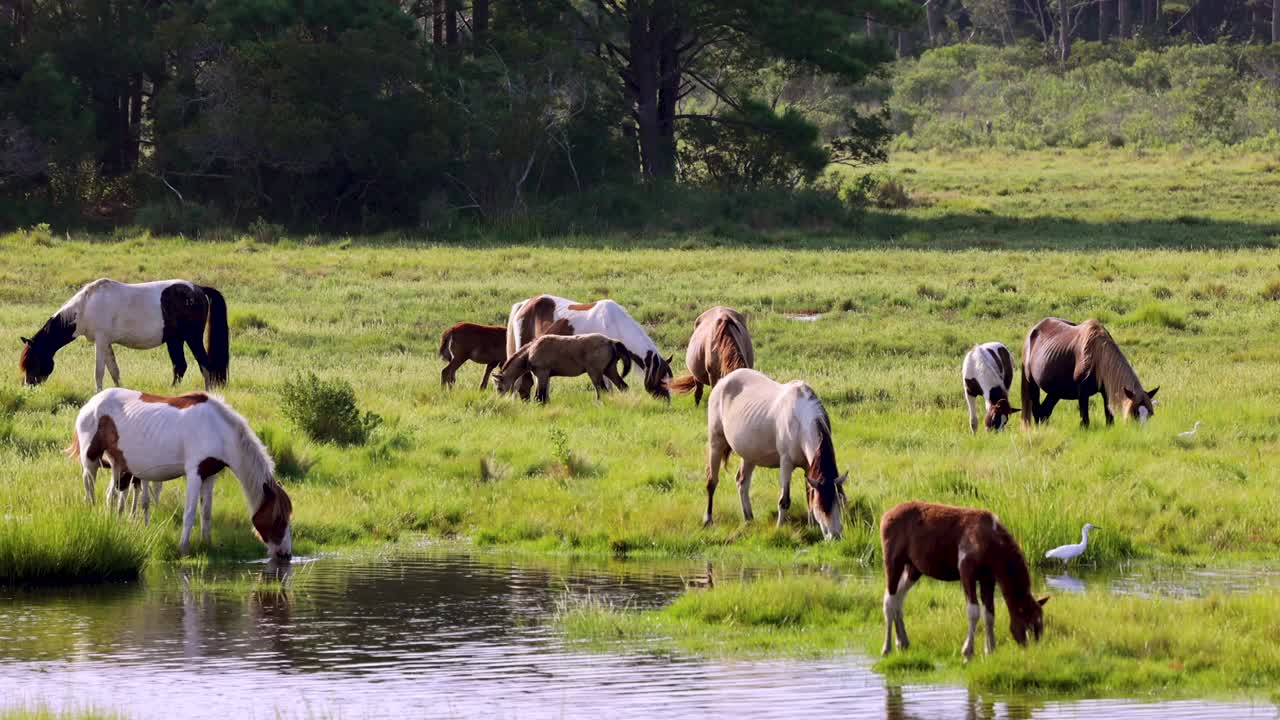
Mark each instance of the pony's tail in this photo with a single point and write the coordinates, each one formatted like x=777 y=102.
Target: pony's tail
x=445 y=354
x=621 y=352
x=217 y=338
x=73 y=450
x=1030 y=397
x=682 y=385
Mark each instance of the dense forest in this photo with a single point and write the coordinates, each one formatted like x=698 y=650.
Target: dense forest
x=365 y=114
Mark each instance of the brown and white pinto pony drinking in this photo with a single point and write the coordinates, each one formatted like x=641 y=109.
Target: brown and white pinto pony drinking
x=954 y=543
x=720 y=344
x=532 y=318
x=776 y=426
x=141 y=316
x=1074 y=362
x=483 y=344
x=195 y=436
x=988 y=373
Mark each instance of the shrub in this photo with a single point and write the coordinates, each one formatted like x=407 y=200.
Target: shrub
x=889 y=194
x=1272 y=290
x=326 y=410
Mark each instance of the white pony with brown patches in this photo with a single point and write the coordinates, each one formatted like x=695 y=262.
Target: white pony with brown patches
x=531 y=318
x=150 y=438
x=988 y=373
x=779 y=426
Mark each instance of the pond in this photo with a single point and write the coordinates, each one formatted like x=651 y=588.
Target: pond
x=445 y=633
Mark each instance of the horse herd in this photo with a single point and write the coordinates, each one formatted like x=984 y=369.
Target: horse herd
x=147 y=439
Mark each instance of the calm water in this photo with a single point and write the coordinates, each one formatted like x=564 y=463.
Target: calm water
x=445 y=635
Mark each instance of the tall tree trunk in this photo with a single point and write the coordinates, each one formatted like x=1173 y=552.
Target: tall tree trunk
x=669 y=74
x=437 y=22
x=1106 y=13
x=1275 y=22
x=936 y=21
x=452 y=8
x=1123 y=8
x=871 y=27
x=479 y=20
x=134 y=148
x=904 y=43
x=1064 y=30
x=643 y=84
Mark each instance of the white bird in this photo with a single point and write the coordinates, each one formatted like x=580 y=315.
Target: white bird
x=1066 y=552
x=1190 y=433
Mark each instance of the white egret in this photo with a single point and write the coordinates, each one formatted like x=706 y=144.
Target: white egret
x=1190 y=433
x=1065 y=553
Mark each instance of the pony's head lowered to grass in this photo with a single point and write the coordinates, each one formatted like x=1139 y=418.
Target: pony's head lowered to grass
x=36 y=361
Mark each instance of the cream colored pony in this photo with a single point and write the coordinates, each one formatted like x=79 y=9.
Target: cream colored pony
x=776 y=426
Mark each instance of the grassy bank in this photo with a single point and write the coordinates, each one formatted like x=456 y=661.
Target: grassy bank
x=625 y=476
x=1094 y=643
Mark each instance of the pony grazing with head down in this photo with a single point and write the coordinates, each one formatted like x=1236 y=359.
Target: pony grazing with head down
x=776 y=426
x=988 y=373
x=532 y=318
x=150 y=438
x=1074 y=362
x=554 y=355
x=141 y=316
x=952 y=543
x=720 y=344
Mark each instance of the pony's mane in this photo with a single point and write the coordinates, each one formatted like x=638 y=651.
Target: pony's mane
x=22 y=359
x=1015 y=580
x=726 y=343
x=823 y=463
x=256 y=466
x=1100 y=352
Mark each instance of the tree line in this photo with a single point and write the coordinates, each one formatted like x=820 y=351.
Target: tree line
x=359 y=111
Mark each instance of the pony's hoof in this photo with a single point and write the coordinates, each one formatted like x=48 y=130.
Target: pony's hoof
x=706 y=521
x=886 y=651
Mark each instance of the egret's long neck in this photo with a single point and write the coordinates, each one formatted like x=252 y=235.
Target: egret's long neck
x=1084 y=536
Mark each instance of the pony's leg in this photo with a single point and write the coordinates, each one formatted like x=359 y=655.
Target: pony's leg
x=597 y=381
x=970 y=585
x=784 y=496
x=973 y=412
x=697 y=395
x=1084 y=410
x=206 y=511
x=716 y=452
x=194 y=483
x=112 y=367
x=100 y=367
x=543 y=393
x=202 y=357
x=1106 y=408
x=90 y=476
x=909 y=577
x=1046 y=407
x=744 y=489
x=177 y=358
x=450 y=372
x=488 y=369
x=988 y=588
x=524 y=385
x=894 y=572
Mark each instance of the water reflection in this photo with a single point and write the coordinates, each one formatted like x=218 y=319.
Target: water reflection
x=1066 y=582
x=434 y=635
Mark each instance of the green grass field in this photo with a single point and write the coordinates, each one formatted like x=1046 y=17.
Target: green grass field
x=1175 y=254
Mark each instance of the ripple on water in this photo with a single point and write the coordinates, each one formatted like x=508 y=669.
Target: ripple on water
x=437 y=635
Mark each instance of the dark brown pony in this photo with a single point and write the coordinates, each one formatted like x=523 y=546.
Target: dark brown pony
x=1075 y=362
x=720 y=344
x=953 y=543
x=483 y=344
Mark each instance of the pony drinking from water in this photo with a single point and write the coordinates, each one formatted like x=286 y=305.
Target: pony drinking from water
x=154 y=439
x=532 y=318
x=952 y=543
x=1074 y=362
x=720 y=344
x=988 y=373
x=141 y=316
x=776 y=426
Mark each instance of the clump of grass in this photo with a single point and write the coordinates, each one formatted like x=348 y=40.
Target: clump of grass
x=1157 y=315
x=568 y=462
x=326 y=410
x=890 y=194
x=1160 y=292
x=290 y=461
x=1272 y=291
x=70 y=544
x=249 y=321
x=1211 y=291
x=662 y=482
x=929 y=292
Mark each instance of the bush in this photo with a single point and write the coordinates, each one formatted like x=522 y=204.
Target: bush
x=326 y=410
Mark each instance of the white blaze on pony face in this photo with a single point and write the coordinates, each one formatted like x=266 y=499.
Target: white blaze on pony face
x=830 y=519
x=1143 y=414
x=282 y=550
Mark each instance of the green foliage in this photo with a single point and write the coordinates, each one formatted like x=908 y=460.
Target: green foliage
x=753 y=147
x=1114 y=94
x=326 y=410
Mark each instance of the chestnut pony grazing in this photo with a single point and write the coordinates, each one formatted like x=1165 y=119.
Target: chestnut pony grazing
x=1074 y=362
x=141 y=316
x=483 y=344
x=953 y=543
x=151 y=438
x=720 y=344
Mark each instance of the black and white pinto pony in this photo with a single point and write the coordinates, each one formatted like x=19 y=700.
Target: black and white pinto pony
x=529 y=319
x=988 y=373
x=147 y=439
x=140 y=316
